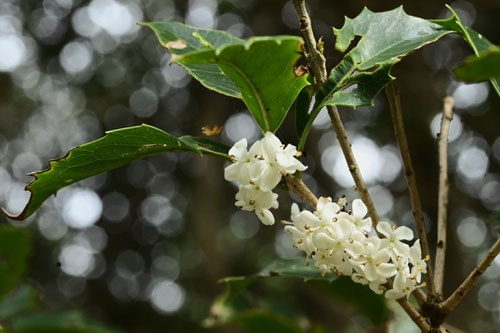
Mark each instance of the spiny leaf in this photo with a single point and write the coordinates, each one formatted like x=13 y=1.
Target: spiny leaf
x=291 y=268
x=181 y=39
x=117 y=148
x=477 y=42
x=386 y=37
x=341 y=289
x=263 y=68
x=484 y=67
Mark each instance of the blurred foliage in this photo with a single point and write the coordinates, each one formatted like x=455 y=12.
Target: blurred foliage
x=254 y=310
x=480 y=68
x=15 y=248
x=19 y=303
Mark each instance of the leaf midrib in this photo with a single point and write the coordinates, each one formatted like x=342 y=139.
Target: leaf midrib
x=254 y=90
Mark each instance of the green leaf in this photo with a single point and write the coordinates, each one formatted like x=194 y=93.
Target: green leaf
x=19 y=300
x=209 y=75
x=386 y=37
x=15 y=248
x=357 y=90
x=257 y=321
x=484 y=67
x=263 y=68
x=477 y=42
x=358 y=297
x=117 y=148
x=288 y=268
x=342 y=289
x=57 y=322
x=302 y=105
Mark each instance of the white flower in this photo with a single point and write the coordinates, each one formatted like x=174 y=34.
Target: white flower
x=419 y=264
x=239 y=170
x=287 y=161
x=374 y=262
x=339 y=237
x=376 y=286
x=403 y=286
x=395 y=235
x=284 y=158
x=357 y=215
x=304 y=224
x=326 y=210
x=259 y=170
x=264 y=173
x=251 y=197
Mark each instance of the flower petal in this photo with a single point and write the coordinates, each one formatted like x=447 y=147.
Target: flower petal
x=239 y=149
x=359 y=209
x=323 y=241
x=403 y=233
x=265 y=216
x=384 y=228
x=386 y=270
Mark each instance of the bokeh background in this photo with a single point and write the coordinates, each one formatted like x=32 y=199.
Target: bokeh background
x=142 y=248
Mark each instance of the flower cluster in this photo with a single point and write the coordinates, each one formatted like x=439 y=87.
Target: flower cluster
x=341 y=242
x=258 y=171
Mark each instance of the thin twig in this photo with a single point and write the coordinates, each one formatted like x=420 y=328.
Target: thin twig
x=318 y=67
x=316 y=59
x=420 y=296
x=345 y=144
x=469 y=282
x=443 y=194
x=393 y=95
x=297 y=186
x=414 y=315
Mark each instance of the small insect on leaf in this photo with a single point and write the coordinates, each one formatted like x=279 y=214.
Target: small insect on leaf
x=209 y=130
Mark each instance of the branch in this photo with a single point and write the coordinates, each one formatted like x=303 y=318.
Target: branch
x=469 y=282
x=316 y=59
x=317 y=63
x=443 y=194
x=318 y=68
x=393 y=95
x=298 y=187
x=420 y=296
x=345 y=144
x=414 y=315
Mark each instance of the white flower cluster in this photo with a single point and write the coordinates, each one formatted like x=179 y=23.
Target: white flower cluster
x=341 y=242
x=259 y=170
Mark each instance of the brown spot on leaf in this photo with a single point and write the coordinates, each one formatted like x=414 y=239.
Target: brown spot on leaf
x=176 y=44
x=300 y=71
